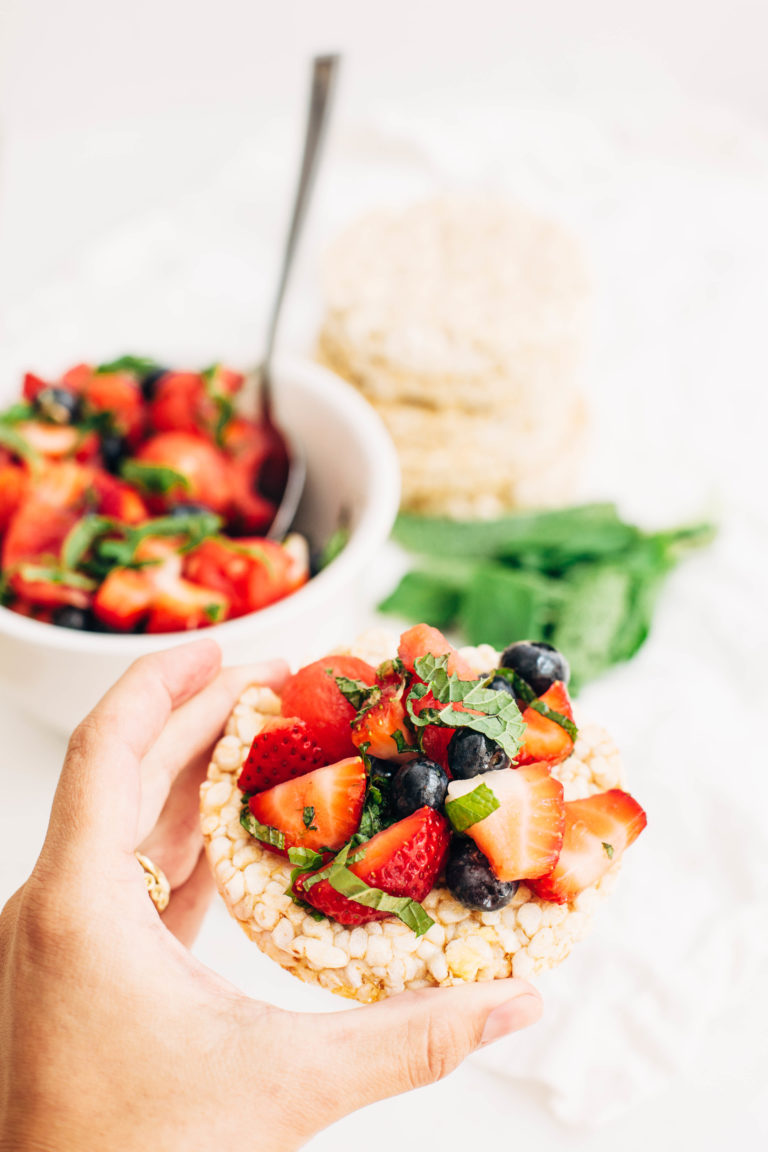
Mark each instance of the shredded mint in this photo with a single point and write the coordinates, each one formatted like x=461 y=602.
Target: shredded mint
x=355 y=691
x=305 y=859
x=471 y=808
x=401 y=743
x=83 y=535
x=138 y=365
x=499 y=718
x=34 y=573
x=608 y=848
x=17 y=413
x=520 y=687
x=213 y=612
x=342 y=880
x=550 y=714
x=11 y=439
x=308 y=816
x=156 y=479
x=263 y=832
x=334 y=546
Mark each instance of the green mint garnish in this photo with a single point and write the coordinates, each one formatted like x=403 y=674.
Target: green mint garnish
x=156 y=479
x=471 y=808
x=550 y=714
x=608 y=849
x=213 y=612
x=308 y=816
x=35 y=573
x=263 y=832
x=355 y=691
x=138 y=365
x=499 y=718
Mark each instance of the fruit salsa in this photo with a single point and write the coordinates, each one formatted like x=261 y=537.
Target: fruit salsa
x=137 y=498
x=427 y=790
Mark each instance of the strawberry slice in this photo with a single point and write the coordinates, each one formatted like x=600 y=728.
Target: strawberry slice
x=422 y=640
x=117 y=393
x=382 y=728
x=283 y=750
x=182 y=606
x=523 y=836
x=252 y=573
x=205 y=471
x=320 y=809
x=597 y=831
x=13 y=486
x=545 y=739
x=124 y=598
x=313 y=695
x=117 y=499
x=403 y=860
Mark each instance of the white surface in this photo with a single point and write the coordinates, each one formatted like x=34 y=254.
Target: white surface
x=657 y=1023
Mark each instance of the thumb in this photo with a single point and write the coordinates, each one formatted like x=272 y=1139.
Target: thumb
x=417 y=1038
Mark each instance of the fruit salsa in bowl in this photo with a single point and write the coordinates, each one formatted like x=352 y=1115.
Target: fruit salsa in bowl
x=131 y=515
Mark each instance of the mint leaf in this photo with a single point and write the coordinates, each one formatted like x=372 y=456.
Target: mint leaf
x=550 y=714
x=17 y=413
x=156 y=479
x=138 y=365
x=471 y=808
x=263 y=832
x=83 y=535
x=410 y=912
x=53 y=574
x=520 y=687
x=213 y=612
x=334 y=546
x=355 y=691
x=426 y=596
x=608 y=848
x=305 y=859
x=307 y=816
x=499 y=718
x=15 y=443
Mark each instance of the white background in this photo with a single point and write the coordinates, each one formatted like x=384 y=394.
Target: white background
x=144 y=154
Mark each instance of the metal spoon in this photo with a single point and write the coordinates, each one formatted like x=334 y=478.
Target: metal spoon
x=284 y=472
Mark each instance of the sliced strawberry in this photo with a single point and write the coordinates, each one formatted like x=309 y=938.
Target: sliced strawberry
x=402 y=860
x=13 y=486
x=320 y=809
x=313 y=695
x=124 y=598
x=523 y=836
x=117 y=393
x=32 y=386
x=382 y=728
x=117 y=499
x=55 y=441
x=203 y=467
x=28 y=583
x=545 y=739
x=182 y=606
x=423 y=640
x=283 y=750
x=597 y=831
x=193 y=402
x=252 y=573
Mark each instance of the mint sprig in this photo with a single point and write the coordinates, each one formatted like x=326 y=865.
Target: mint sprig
x=356 y=691
x=263 y=832
x=499 y=718
x=155 y=479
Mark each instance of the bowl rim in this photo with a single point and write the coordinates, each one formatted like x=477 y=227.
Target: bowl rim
x=372 y=529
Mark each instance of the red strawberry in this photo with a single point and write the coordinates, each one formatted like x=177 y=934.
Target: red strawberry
x=124 y=598
x=313 y=695
x=117 y=499
x=204 y=468
x=283 y=750
x=523 y=836
x=320 y=809
x=115 y=392
x=545 y=739
x=13 y=486
x=180 y=606
x=252 y=573
x=423 y=639
x=597 y=830
x=403 y=860
x=382 y=729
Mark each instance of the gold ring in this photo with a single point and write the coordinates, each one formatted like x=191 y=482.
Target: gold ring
x=157 y=882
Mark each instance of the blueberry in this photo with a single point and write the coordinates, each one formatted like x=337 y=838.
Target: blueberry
x=470 y=753
x=501 y=684
x=539 y=664
x=471 y=881
x=78 y=618
x=416 y=784
x=149 y=383
x=58 y=405
x=113 y=451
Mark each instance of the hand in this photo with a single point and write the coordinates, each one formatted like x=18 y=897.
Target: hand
x=112 y=1035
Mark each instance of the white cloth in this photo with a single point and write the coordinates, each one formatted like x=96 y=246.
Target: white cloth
x=670 y=205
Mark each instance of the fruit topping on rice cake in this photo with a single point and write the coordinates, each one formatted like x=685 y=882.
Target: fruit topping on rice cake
x=419 y=816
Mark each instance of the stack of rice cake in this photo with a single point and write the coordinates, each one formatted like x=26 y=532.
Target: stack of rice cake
x=461 y=320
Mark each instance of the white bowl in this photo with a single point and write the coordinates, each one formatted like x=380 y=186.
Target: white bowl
x=58 y=674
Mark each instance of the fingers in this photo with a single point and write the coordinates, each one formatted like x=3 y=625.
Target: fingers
x=189 y=903
x=419 y=1037
x=188 y=735
x=96 y=806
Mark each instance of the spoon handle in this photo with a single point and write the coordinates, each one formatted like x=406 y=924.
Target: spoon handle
x=324 y=72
